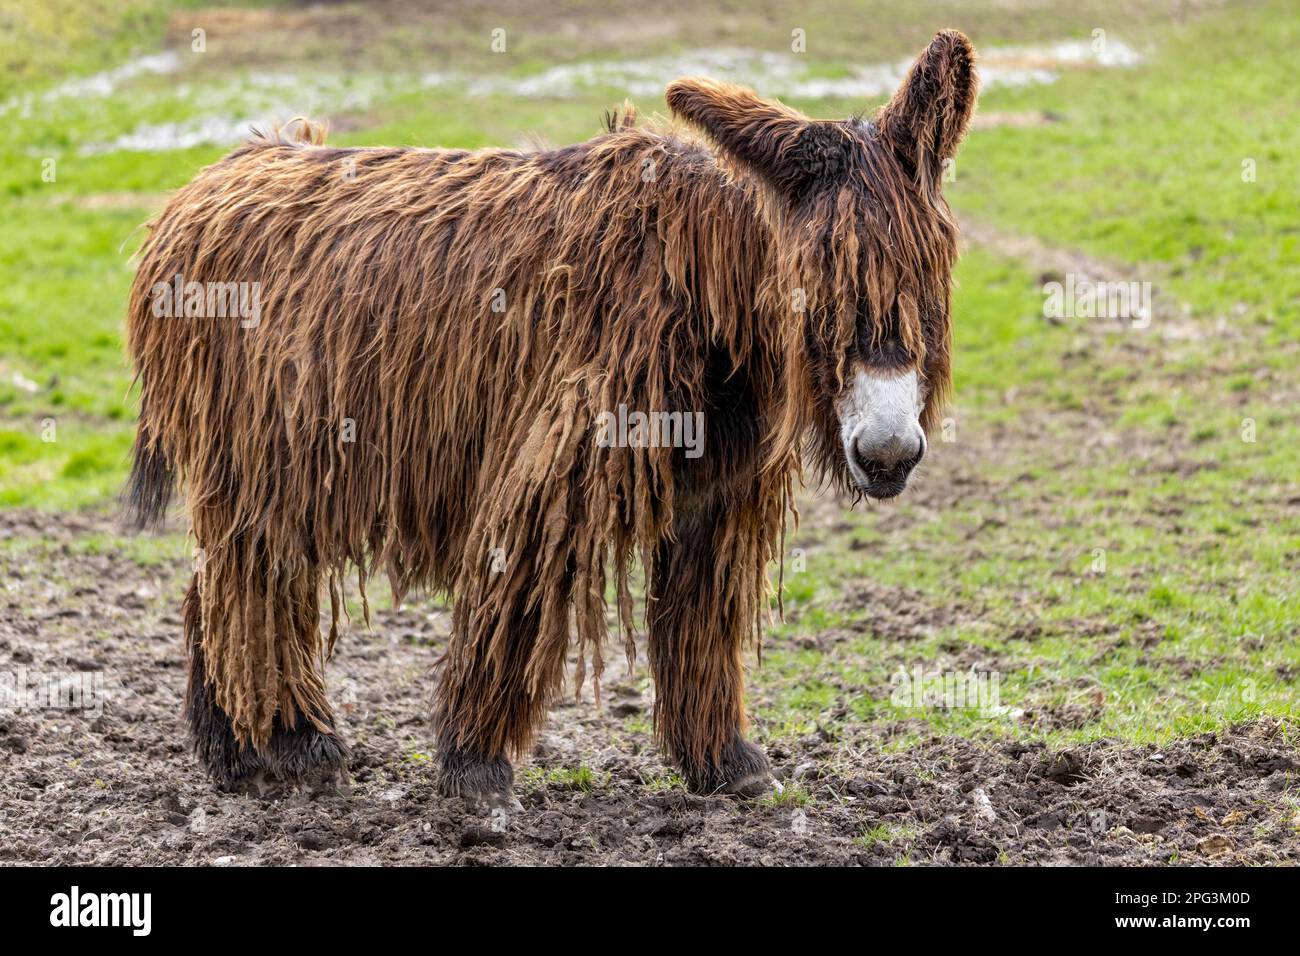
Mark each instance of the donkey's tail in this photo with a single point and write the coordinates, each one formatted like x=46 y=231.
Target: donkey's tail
x=148 y=491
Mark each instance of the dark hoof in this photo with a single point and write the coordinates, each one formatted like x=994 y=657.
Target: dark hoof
x=297 y=757
x=755 y=785
x=743 y=770
x=307 y=758
x=302 y=758
x=484 y=783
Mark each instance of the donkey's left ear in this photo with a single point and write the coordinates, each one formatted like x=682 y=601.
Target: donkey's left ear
x=790 y=151
x=928 y=117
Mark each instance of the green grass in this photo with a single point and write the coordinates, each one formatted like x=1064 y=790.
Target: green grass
x=579 y=779
x=883 y=833
x=791 y=795
x=1145 y=166
x=42 y=40
x=161 y=551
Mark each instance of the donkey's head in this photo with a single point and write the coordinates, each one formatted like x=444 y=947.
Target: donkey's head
x=863 y=246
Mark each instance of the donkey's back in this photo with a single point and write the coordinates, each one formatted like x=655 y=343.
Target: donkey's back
x=338 y=346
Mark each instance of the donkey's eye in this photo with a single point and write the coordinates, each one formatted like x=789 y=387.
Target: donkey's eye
x=887 y=354
x=866 y=325
x=880 y=347
x=864 y=338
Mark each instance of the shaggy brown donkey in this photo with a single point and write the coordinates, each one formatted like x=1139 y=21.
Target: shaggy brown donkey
x=404 y=360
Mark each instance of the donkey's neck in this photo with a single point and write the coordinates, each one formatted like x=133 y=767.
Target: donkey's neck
x=717 y=247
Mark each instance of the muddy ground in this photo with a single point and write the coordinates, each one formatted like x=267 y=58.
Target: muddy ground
x=118 y=786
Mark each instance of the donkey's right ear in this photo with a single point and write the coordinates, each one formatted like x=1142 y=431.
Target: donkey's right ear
x=783 y=146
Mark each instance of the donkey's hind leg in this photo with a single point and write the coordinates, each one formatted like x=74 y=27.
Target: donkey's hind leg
x=228 y=763
x=698 y=626
x=292 y=752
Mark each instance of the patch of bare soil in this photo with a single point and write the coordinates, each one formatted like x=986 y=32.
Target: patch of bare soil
x=115 y=784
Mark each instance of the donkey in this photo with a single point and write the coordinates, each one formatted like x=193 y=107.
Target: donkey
x=438 y=335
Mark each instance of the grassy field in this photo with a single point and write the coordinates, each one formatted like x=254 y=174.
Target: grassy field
x=1108 y=524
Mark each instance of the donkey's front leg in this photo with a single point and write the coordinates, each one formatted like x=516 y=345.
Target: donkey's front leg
x=486 y=707
x=698 y=625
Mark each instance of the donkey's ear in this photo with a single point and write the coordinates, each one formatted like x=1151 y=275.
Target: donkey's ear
x=928 y=117
x=786 y=148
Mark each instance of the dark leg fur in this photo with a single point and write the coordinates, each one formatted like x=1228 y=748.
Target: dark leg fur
x=298 y=756
x=696 y=637
x=485 y=707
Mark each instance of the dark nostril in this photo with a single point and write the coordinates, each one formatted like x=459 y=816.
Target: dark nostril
x=897 y=450
x=859 y=459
